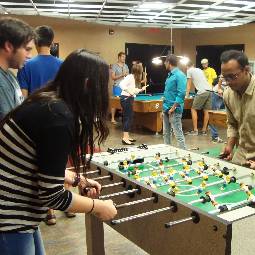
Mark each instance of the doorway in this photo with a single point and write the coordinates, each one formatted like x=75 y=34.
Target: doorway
x=213 y=52
x=156 y=74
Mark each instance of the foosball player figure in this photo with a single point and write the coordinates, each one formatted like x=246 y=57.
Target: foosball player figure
x=201 y=187
x=166 y=179
x=201 y=163
x=182 y=174
x=161 y=166
x=186 y=169
x=157 y=158
x=184 y=161
x=189 y=161
x=132 y=157
x=125 y=165
x=173 y=190
x=137 y=176
x=154 y=173
x=188 y=179
x=226 y=179
x=136 y=170
x=212 y=198
x=218 y=172
x=247 y=189
x=204 y=176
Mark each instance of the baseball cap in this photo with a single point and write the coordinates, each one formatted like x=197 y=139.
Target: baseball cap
x=204 y=61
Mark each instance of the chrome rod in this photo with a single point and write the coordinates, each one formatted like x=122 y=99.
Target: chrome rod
x=119 y=193
x=112 y=185
x=173 y=223
x=193 y=217
x=141 y=215
x=134 y=202
x=102 y=178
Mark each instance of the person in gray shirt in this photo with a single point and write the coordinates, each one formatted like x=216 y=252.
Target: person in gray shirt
x=202 y=100
x=119 y=71
x=16 y=42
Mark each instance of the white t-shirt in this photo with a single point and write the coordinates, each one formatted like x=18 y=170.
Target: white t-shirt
x=128 y=86
x=198 y=79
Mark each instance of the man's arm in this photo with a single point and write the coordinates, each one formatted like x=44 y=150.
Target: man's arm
x=189 y=84
x=232 y=133
x=116 y=77
x=214 y=75
x=181 y=90
x=23 y=81
x=5 y=103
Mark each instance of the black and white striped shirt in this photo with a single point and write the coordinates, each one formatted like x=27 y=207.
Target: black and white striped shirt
x=34 y=147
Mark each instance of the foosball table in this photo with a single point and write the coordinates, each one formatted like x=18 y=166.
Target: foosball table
x=174 y=201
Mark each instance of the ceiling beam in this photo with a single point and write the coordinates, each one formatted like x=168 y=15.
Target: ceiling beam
x=31 y=1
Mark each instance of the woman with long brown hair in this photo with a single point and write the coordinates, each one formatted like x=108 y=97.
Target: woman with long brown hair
x=130 y=88
x=64 y=118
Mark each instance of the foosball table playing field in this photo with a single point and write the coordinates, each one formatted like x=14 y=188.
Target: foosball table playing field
x=174 y=201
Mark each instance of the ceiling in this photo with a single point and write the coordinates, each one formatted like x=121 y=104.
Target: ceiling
x=141 y=13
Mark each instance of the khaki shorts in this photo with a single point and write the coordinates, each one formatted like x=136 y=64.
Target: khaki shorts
x=202 y=101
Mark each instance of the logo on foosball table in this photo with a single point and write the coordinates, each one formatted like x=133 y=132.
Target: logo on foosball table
x=156 y=105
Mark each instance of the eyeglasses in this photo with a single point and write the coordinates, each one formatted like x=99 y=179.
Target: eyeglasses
x=231 y=76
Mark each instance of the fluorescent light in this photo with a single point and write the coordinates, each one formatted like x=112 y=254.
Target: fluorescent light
x=154 y=5
x=157 y=61
x=183 y=60
x=205 y=16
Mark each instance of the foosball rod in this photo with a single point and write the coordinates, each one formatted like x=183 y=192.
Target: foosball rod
x=134 y=202
x=224 y=208
x=209 y=185
x=141 y=215
x=112 y=185
x=126 y=192
x=110 y=176
x=194 y=217
x=172 y=165
x=183 y=180
x=215 y=196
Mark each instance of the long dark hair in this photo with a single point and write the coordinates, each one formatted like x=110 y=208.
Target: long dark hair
x=82 y=83
x=137 y=70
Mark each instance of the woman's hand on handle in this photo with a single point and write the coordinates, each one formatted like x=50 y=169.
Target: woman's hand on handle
x=104 y=209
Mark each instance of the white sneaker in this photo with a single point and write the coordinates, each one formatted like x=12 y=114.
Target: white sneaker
x=217 y=140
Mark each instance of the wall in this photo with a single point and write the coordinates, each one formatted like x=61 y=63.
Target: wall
x=76 y=34
x=235 y=35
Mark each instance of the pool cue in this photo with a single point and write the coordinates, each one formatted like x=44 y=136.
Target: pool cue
x=145 y=77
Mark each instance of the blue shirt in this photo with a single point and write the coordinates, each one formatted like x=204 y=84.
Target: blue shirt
x=175 y=90
x=38 y=71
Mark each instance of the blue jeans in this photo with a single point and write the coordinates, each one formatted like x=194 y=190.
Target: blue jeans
x=217 y=104
x=21 y=243
x=173 y=121
x=127 y=111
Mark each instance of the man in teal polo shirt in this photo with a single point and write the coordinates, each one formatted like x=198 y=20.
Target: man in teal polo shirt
x=174 y=95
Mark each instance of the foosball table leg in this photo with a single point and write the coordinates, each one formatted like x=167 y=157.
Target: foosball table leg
x=94 y=235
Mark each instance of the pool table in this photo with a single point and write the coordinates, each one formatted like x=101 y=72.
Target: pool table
x=218 y=118
x=147 y=109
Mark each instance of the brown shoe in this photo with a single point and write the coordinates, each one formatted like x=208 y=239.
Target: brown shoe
x=50 y=219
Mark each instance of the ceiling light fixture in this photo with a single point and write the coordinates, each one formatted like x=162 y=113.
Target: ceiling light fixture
x=157 y=5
